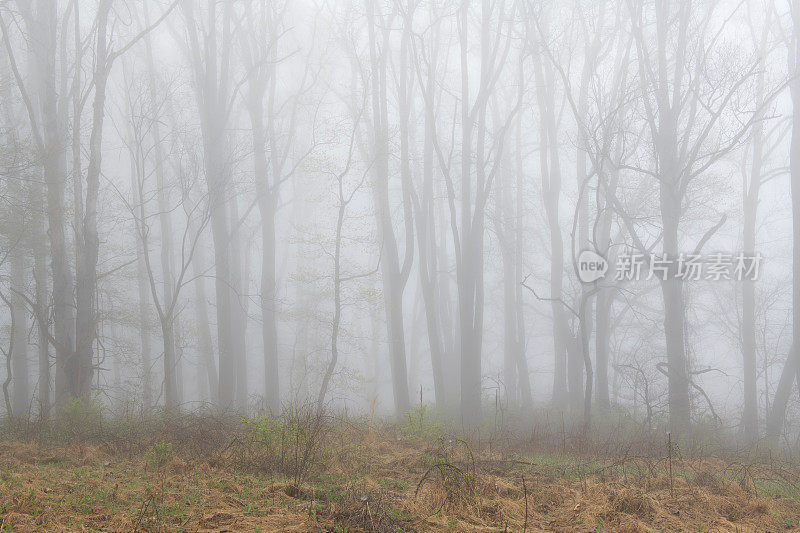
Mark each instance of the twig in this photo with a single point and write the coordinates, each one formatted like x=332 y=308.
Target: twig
x=669 y=455
x=525 y=490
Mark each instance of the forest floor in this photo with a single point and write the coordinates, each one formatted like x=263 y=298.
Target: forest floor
x=270 y=476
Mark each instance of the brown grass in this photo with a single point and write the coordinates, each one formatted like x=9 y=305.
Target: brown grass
x=371 y=480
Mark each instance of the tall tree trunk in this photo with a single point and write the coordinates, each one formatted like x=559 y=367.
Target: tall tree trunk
x=42 y=24
x=238 y=314
x=606 y=196
x=405 y=97
x=578 y=393
x=602 y=340
x=266 y=207
x=672 y=96
x=393 y=277
x=269 y=280
x=526 y=396
x=791 y=368
x=551 y=186
x=170 y=386
x=750 y=194
x=144 y=329
x=474 y=198
x=425 y=220
x=42 y=341
x=509 y=229
x=605 y=295
x=220 y=235
x=337 y=301
x=674 y=317
x=211 y=63
x=87 y=239
x=749 y=359
x=451 y=331
x=180 y=391
x=165 y=224
x=269 y=329
x=375 y=355
x=205 y=340
x=503 y=227
x=19 y=356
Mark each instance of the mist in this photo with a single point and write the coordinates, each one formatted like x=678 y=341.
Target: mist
x=551 y=214
x=239 y=204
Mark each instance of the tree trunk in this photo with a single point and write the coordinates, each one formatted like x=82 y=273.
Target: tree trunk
x=87 y=239
x=777 y=416
x=205 y=340
x=750 y=204
x=144 y=329
x=269 y=330
x=266 y=207
x=337 y=303
x=42 y=342
x=450 y=326
x=504 y=228
x=551 y=187
x=42 y=25
x=510 y=232
x=165 y=224
x=526 y=396
x=211 y=61
x=674 y=306
x=19 y=357
x=425 y=220
x=392 y=277
x=238 y=314
x=602 y=340
x=170 y=387
x=578 y=391
x=749 y=358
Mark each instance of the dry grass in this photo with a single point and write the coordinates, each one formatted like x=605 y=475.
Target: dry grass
x=359 y=479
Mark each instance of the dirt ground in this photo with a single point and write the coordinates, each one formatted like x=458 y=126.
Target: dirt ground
x=370 y=480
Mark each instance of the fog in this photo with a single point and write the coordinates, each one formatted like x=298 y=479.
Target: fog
x=581 y=207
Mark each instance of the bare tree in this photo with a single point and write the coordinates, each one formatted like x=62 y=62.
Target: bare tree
x=8 y=353
x=394 y=273
x=550 y=170
x=274 y=124
x=791 y=369
x=509 y=226
x=197 y=216
x=751 y=186
x=45 y=109
x=686 y=105
x=344 y=198
x=425 y=57
x=209 y=50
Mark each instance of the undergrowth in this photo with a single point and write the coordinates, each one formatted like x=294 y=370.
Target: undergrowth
x=303 y=465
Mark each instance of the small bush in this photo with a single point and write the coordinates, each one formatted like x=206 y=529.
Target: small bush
x=158 y=454
x=290 y=443
x=420 y=425
x=80 y=417
x=452 y=474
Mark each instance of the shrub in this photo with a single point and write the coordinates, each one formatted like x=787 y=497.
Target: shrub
x=158 y=454
x=420 y=425
x=80 y=417
x=290 y=443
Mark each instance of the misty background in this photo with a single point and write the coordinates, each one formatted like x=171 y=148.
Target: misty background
x=242 y=204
